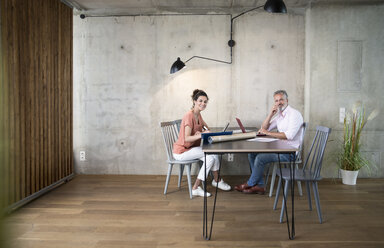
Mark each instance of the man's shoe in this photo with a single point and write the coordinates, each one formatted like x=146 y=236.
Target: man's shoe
x=221 y=185
x=242 y=187
x=254 y=190
x=199 y=192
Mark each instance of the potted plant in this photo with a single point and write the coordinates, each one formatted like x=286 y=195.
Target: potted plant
x=351 y=159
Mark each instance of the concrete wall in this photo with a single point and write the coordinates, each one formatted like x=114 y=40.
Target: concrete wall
x=330 y=31
x=123 y=89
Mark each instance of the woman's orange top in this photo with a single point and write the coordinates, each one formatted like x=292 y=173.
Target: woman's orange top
x=181 y=145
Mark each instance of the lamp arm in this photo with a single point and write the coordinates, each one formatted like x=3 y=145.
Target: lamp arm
x=231 y=42
x=221 y=61
x=246 y=12
x=270 y=6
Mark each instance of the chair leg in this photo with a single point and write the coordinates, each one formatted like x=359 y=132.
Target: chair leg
x=277 y=194
x=309 y=196
x=299 y=183
x=181 y=171
x=317 y=200
x=189 y=180
x=168 y=176
x=287 y=183
x=266 y=179
x=273 y=180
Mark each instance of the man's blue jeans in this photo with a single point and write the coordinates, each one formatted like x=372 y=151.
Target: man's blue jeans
x=257 y=161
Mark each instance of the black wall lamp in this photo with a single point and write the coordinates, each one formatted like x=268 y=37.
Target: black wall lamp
x=272 y=6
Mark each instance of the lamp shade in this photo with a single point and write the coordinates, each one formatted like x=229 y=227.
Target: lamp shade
x=177 y=65
x=275 y=6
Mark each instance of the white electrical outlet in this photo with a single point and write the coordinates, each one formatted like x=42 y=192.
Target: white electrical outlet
x=230 y=157
x=82 y=155
x=341 y=115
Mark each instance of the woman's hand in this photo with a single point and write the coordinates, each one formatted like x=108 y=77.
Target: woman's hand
x=189 y=137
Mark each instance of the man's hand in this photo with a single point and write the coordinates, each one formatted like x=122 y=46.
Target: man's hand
x=274 y=109
x=263 y=131
x=279 y=135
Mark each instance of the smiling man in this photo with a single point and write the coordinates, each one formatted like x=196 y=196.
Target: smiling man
x=288 y=122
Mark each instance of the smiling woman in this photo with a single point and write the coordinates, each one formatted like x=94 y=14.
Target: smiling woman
x=187 y=147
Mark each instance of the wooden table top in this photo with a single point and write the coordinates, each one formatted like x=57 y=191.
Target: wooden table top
x=244 y=146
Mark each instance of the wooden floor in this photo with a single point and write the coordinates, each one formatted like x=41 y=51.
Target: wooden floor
x=131 y=211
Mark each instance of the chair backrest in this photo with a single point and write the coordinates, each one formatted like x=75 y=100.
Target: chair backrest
x=315 y=155
x=170 y=132
x=303 y=131
x=178 y=123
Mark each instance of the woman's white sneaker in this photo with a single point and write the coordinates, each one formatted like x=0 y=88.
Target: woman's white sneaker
x=199 y=192
x=222 y=185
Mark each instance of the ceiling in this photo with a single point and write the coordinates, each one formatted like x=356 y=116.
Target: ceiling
x=137 y=7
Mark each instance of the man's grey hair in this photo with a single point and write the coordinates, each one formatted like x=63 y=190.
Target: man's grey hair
x=282 y=92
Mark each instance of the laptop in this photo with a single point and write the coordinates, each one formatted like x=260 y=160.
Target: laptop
x=243 y=129
x=240 y=125
x=226 y=126
x=224 y=129
x=205 y=136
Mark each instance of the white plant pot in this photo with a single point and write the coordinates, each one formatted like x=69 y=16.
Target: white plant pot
x=349 y=177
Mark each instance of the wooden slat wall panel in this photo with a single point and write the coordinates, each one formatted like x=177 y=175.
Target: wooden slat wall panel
x=35 y=96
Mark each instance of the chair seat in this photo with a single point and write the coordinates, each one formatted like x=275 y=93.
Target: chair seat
x=300 y=175
x=174 y=161
x=296 y=162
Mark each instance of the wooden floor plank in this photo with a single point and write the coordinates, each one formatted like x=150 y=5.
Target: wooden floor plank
x=131 y=211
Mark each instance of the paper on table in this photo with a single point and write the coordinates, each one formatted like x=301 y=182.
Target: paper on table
x=235 y=136
x=237 y=131
x=260 y=139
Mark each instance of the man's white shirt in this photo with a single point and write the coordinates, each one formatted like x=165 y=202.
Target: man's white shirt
x=289 y=122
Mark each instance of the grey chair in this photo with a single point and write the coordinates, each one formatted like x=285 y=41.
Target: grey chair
x=170 y=132
x=298 y=161
x=310 y=173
